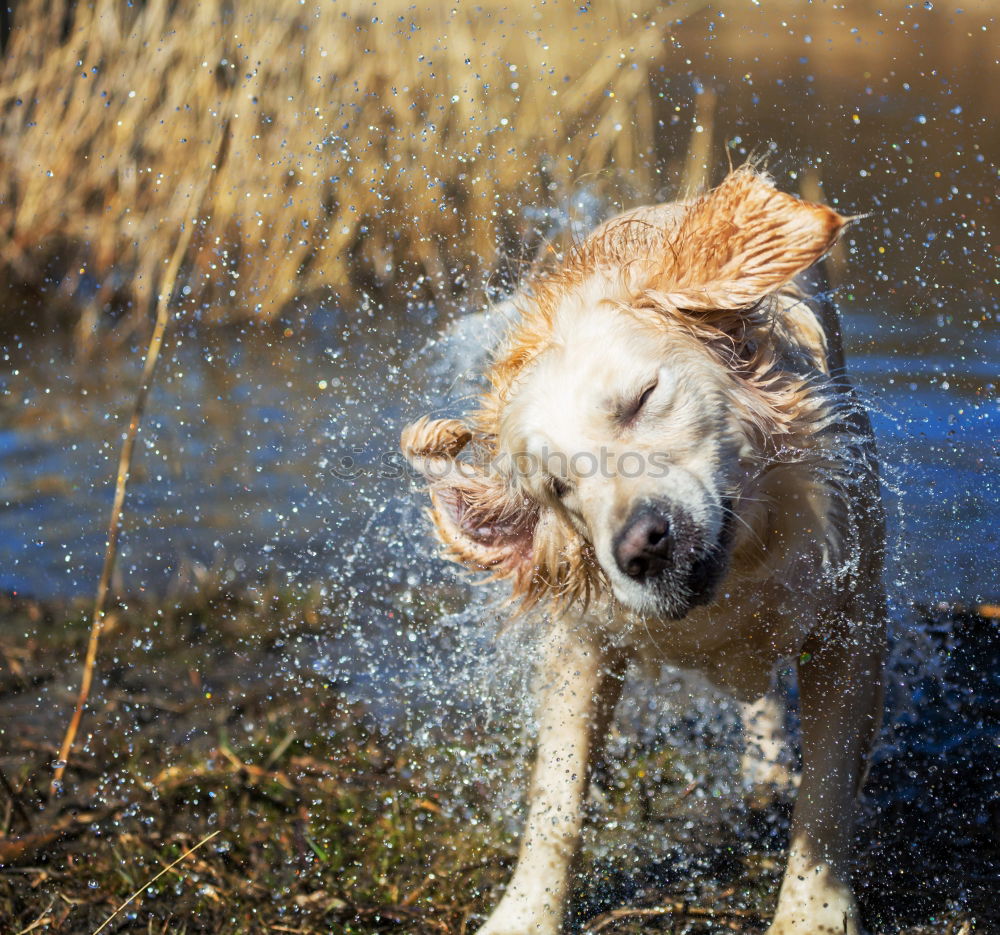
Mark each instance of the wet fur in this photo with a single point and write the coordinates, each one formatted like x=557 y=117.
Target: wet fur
x=777 y=485
x=775 y=355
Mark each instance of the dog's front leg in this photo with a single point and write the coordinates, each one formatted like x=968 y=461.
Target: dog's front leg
x=579 y=684
x=840 y=704
x=766 y=769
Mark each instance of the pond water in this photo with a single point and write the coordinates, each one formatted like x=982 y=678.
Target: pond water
x=274 y=453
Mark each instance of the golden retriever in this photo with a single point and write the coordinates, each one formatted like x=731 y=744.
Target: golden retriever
x=670 y=465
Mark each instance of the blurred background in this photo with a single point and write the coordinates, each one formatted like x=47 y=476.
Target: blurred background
x=358 y=181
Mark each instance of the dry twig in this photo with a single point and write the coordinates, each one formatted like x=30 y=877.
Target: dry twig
x=121 y=481
x=145 y=886
x=16 y=803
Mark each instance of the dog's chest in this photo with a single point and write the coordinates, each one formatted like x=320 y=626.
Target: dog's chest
x=735 y=641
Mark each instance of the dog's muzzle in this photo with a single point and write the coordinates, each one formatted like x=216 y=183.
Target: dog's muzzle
x=661 y=547
x=644 y=547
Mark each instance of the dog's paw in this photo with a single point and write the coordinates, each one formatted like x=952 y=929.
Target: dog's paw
x=508 y=926
x=835 y=917
x=843 y=925
x=766 y=776
x=818 y=902
x=515 y=917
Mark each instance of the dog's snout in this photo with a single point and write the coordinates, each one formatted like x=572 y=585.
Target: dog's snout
x=644 y=547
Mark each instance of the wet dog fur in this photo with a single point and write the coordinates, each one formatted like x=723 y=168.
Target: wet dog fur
x=747 y=529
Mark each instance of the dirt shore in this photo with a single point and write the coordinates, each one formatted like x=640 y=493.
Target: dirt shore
x=303 y=815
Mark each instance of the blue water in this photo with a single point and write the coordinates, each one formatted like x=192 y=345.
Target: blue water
x=937 y=420
x=241 y=456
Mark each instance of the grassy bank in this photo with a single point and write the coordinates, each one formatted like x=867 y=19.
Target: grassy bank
x=323 y=825
x=321 y=821
x=306 y=815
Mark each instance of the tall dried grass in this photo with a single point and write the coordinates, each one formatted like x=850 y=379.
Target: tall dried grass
x=358 y=149
x=359 y=145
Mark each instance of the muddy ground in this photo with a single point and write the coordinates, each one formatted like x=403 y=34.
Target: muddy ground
x=324 y=824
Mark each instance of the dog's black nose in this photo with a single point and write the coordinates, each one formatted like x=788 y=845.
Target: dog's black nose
x=644 y=548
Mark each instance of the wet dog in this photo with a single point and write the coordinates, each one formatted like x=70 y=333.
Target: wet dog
x=669 y=464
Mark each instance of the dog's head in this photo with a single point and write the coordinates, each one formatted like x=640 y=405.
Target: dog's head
x=634 y=404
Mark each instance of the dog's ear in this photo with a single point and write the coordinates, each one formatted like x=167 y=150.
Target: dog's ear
x=483 y=523
x=740 y=242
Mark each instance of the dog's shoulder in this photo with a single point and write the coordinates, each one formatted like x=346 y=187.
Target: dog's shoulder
x=796 y=331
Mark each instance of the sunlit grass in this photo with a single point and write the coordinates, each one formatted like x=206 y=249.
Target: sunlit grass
x=326 y=821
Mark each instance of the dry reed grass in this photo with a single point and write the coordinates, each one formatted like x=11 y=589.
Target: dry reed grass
x=357 y=151
x=359 y=146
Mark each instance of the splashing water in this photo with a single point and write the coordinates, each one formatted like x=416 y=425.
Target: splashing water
x=274 y=454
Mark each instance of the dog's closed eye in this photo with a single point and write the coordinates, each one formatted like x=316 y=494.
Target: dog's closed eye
x=629 y=411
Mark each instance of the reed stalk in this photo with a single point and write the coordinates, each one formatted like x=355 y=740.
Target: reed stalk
x=125 y=456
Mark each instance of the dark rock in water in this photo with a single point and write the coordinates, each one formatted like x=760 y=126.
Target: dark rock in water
x=929 y=838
